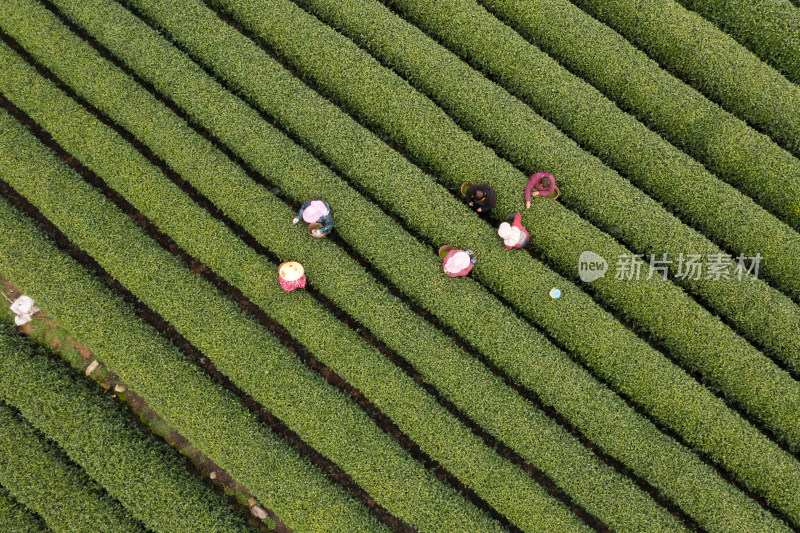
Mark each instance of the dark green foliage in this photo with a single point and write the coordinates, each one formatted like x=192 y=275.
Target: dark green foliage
x=187 y=399
x=16 y=518
x=726 y=145
x=140 y=471
x=42 y=478
x=699 y=53
x=768 y=28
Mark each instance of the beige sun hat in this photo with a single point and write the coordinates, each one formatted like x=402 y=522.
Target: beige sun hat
x=291 y=271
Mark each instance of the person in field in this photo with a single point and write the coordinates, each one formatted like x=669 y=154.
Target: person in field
x=291 y=276
x=540 y=184
x=480 y=197
x=456 y=263
x=316 y=212
x=514 y=235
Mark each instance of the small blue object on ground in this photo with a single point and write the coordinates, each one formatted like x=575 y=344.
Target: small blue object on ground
x=555 y=293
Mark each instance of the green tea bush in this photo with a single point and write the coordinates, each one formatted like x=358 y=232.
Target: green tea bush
x=198 y=408
x=243 y=350
x=771 y=30
x=137 y=469
x=383 y=98
x=721 y=68
x=508 y=416
x=251 y=61
x=510 y=490
x=643 y=453
x=726 y=145
x=40 y=476
x=17 y=518
x=379 y=95
x=574 y=106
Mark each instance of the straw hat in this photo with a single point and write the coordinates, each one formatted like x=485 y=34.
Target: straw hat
x=291 y=271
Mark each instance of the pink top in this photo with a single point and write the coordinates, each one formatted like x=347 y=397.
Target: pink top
x=518 y=224
x=462 y=272
x=292 y=285
x=534 y=182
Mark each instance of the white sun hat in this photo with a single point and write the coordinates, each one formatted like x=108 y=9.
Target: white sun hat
x=457 y=262
x=511 y=235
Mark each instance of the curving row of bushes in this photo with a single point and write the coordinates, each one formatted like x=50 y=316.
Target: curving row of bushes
x=345 y=137
x=579 y=110
x=41 y=477
x=507 y=416
x=640 y=221
x=769 y=29
x=137 y=469
x=508 y=489
x=243 y=350
x=214 y=421
x=726 y=145
x=721 y=68
x=513 y=354
x=17 y=518
x=712 y=348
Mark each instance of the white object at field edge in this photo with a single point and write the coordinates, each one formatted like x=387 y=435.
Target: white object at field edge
x=23 y=307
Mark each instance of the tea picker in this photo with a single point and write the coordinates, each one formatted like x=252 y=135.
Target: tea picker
x=514 y=235
x=456 y=263
x=318 y=215
x=479 y=197
x=291 y=276
x=542 y=185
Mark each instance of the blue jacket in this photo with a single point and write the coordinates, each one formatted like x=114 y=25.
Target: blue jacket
x=326 y=221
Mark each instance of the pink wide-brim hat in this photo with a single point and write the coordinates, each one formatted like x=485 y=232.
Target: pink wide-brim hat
x=315 y=211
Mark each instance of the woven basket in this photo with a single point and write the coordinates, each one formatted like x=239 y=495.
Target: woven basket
x=555 y=194
x=312 y=227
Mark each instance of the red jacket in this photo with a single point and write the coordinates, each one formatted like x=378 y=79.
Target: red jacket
x=534 y=182
x=518 y=224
